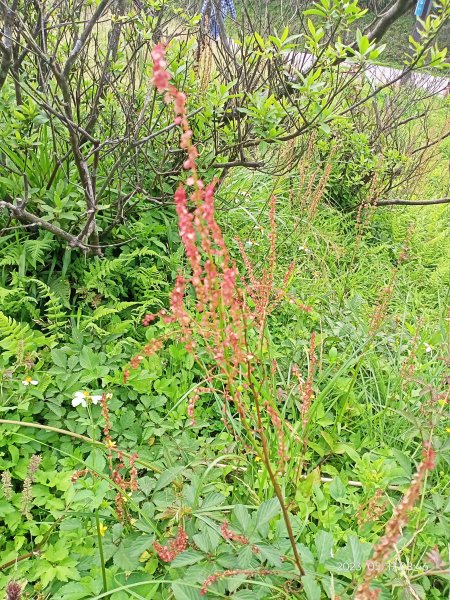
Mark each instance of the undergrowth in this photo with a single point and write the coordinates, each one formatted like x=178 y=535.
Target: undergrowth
x=288 y=440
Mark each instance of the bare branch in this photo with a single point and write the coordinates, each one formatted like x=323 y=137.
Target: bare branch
x=238 y=163
x=9 y=15
x=412 y=202
x=378 y=27
x=24 y=216
x=84 y=36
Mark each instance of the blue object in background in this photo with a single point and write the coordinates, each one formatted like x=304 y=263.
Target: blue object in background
x=226 y=9
x=419 y=8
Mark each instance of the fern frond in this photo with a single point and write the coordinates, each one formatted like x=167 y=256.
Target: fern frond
x=35 y=249
x=11 y=256
x=61 y=288
x=124 y=305
x=102 y=311
x=55 y=315
x=18 y=339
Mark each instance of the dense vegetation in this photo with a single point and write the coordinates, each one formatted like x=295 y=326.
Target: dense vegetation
x=237 y=386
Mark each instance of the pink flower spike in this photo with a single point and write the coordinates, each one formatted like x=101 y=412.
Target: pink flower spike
x=158 y=53
x=161 y=76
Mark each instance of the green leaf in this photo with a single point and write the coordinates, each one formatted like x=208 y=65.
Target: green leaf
x=14 y=451
x=314 y=11
x=306 y=556
x=59 y=358
x=355 y=552
x=213 y=500
x=356 y=549
x=202 y=541
x=403 y=461
x=66 y=572
x=244 y=595
x=88 y=358
x=324 y=545
x=188 y=557
x=48 y=575
x=146 y=484
x=242 y=516
x=245 y=557
x=167 y=477
x=363 y=44
x=96 y=460
x=131 y=548
x=311 y=28
x=260 y=40
x=183 y=592
x=329 y=439
x=57 y=552
x=235 y=581
x=337 y=489
x=74 y=591
x=350 y=451
x=270 y=554
x=267 y=511
x=311 y=587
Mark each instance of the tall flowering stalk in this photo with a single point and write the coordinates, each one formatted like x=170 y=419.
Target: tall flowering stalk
x=125 y=486
x=229 y=321
x=232 y=573
x=395 y=525
x=27 y=495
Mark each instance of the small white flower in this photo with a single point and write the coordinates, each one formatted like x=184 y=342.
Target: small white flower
x=29 y=381
x=80 y=398
x=84 y=398
x=428 y=348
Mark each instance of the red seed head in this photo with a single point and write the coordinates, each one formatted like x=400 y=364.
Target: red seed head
x=13 y=591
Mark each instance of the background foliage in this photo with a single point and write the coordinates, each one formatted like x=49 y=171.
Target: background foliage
x=71 y=319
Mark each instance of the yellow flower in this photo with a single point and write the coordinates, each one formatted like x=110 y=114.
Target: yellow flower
x=102 y=529
x=448 y=429
x=144 y=556
x=257 y=458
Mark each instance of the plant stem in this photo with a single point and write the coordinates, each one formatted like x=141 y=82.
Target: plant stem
x=100 y=550
x=12 y=562
x=273 y=477
x=78 y=436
